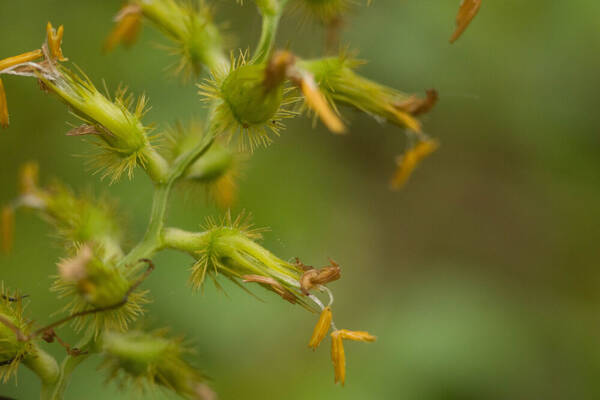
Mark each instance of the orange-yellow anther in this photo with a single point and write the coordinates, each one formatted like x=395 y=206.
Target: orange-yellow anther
x=338 y=357
x=408 y=162
x=28 y=178
x=8 y=228
x=358 y=336
x=128 y=23
x=54 y=40
x=3 y=107
x=20 y=59
x=467 y=11
x=321 y=328
x=318 y=103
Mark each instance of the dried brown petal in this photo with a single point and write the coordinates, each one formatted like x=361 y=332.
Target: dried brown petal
x=83 y=130
x=277 y=68
x=323 y=276
x=416 y=106
x=272 y=284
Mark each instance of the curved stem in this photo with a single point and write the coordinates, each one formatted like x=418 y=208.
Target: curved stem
x=152 y=240
x=267 y=38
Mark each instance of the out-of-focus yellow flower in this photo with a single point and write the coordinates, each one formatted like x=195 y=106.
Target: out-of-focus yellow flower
x=4 y=119
x=28 y=178
x=128 y=24
x=409 y=161
x=321 y=328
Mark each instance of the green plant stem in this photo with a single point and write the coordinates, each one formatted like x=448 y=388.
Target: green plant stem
x=45 y=367
x=152 y=240
x=175 y=238
x=155 y=165
x=270 y=24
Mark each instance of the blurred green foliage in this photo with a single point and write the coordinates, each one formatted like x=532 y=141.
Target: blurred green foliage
x=480 y=278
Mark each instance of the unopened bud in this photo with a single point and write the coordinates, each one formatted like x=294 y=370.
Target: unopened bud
x=154 y=358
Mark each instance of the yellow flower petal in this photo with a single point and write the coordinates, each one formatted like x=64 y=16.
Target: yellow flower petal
x=321 y=328
x=338 y=357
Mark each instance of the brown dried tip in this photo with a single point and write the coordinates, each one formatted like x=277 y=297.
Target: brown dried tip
x=277 y=68
x=467 y=11
x=272 y=284
x=417 y=106
x=8 y=228
x=315 y=277
x=4 y=119
x=321 y=328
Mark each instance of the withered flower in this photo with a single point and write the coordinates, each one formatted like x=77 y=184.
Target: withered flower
x=314 y=277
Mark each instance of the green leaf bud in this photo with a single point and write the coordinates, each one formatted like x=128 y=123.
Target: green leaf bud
x=245 y=103
x=117 y=123
x=229 y=248
x=152 y=358
x=93 y=284
x=197 y=39
x=77 y=219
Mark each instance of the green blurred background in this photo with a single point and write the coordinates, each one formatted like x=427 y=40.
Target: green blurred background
x=480 y=278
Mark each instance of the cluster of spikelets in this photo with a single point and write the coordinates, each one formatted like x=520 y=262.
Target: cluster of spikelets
x=248 y=100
